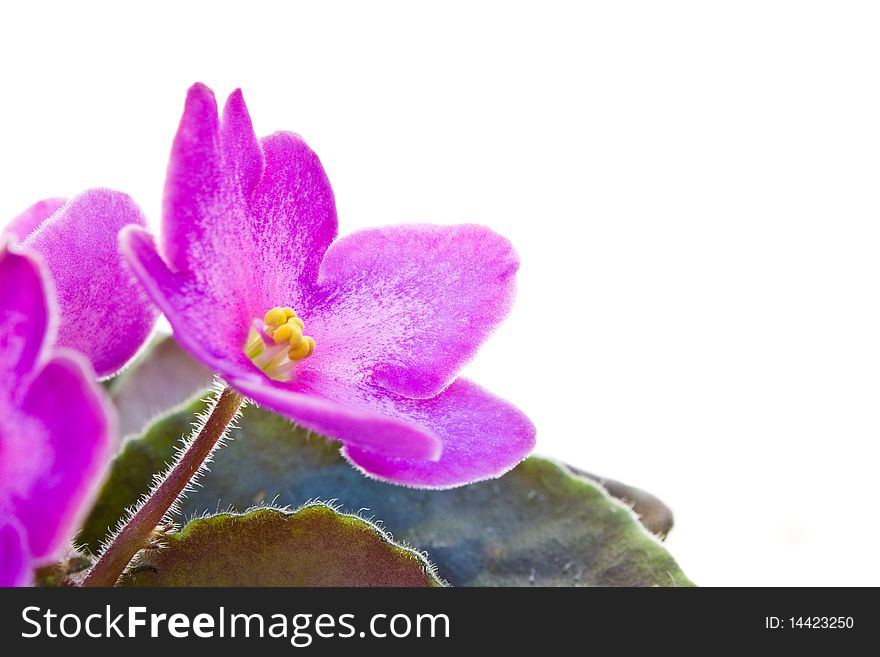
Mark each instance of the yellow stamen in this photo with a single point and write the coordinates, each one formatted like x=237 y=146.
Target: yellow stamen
x=289 y=332
x=275 y=317
x=303 y=350
x=280 y=345
x=296 y=332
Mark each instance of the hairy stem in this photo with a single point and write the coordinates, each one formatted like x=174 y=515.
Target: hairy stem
x=136 y=533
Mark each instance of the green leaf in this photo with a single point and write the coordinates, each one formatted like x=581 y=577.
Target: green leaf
x=653 y=514
x=539 y=524
x=315 y=546
x=131 y=474
x=162 y=377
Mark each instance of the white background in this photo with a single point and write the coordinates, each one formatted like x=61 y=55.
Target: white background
x=692 y=188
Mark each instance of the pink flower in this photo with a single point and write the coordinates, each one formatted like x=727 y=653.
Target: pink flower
x=360 y=338
x=103 y=312
x=55 y=428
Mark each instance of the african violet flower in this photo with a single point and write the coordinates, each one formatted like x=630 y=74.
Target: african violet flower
x=104 y=314
x=55 y=429
x=359 y=339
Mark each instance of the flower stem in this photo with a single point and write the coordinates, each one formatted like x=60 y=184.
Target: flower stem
x=136 y=533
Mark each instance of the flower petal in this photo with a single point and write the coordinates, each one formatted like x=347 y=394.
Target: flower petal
x=25 y=223
x=483 y=437
x=103 y=313
x=253 y=215
x=195 y=196
x=293 y=214
x=14 y=562
x=208 y=322
x=205 y=228
x=241 y=150
x=411 y=304
x=76 y=423
x=354 y=422
x=24 y=314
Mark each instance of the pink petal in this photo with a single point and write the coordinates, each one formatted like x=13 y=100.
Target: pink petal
x=483 y=437
x=14 y=563
x=24 y=314
x=211 y=322
x=293 y=215
x=75 y=440
x=241 y=150
x=206 y=236
x=410 y=304
x=353 y=423
x=25 y=223
x=195 y=192
x=253 y=215
x=104 y=314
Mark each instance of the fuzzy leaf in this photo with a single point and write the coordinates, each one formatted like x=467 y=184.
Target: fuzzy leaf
x=540 y=524
x=653 y=514
x=315 y=546
x=131 y=474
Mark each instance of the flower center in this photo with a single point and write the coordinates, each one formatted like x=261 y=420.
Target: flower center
x=276 y=343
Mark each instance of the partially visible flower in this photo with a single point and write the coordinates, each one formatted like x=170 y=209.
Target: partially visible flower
x=358 y=339
x=104 y=314
x=55 y=425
